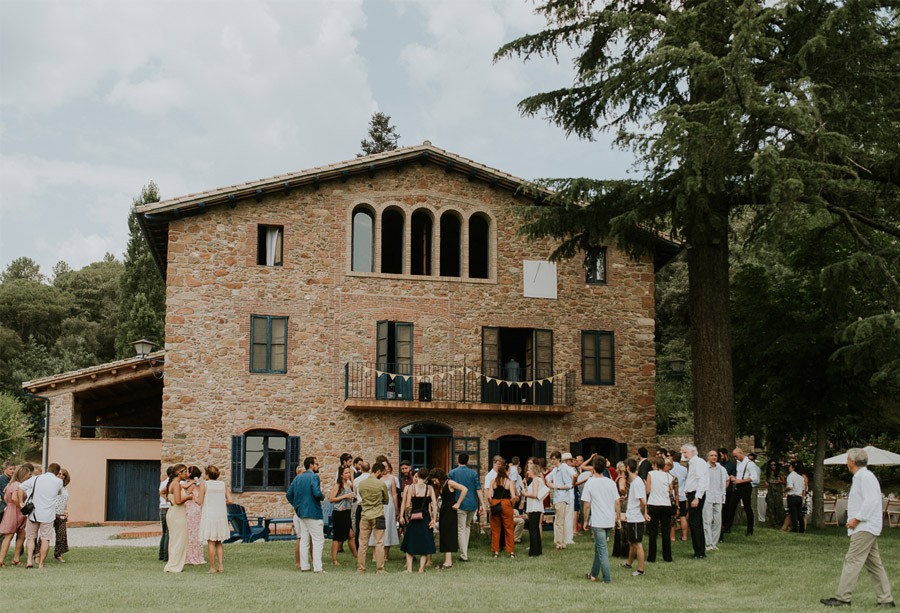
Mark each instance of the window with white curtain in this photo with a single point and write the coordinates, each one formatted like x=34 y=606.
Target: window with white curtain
x=270 y=245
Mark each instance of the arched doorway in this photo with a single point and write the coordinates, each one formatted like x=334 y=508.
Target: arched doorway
x=610 y=449
x=519 y=445
x=426 y=444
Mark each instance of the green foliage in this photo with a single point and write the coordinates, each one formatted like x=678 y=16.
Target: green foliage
x=15 y=431
x=142 y=292
x=382 y=135
x=33 y=309
x=24 y=269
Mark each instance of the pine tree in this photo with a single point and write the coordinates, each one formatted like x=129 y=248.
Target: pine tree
x=733 y=105
x=142 y=303
x=382 y=135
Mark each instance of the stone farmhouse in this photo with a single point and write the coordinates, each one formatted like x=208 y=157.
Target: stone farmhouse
x=384 y=304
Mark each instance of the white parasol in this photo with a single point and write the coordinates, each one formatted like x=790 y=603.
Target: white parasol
x=877 y=457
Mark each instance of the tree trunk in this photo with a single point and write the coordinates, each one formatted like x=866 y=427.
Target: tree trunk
x=708 y=303
x=818 y=481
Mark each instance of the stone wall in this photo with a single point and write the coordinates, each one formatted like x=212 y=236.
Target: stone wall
x=214 y=285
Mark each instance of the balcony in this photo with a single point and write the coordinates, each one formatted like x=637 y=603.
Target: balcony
x=457 y=388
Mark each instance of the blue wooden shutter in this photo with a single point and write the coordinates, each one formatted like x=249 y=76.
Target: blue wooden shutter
x=293 y=456
x=237 y=463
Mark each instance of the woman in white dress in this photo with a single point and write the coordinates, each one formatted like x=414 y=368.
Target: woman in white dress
x=391 y=535
x=213 y=498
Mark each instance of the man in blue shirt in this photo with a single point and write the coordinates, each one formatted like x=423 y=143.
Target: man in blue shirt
x=305 y=495
x=474 y=500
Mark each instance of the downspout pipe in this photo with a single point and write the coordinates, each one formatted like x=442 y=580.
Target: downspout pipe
x=46 y=454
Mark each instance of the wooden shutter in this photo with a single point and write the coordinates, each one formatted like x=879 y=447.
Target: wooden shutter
x=493 y=450
x=381 y=346
x=490 y=351
x=543 y=353
x=404 y=347
x=293 y=458
x=237 y=463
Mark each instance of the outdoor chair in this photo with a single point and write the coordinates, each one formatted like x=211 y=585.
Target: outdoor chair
x=893 y=512
x=830 y=512
x=241 y=528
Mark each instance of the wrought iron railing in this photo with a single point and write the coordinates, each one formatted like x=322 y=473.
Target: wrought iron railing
x=457 y=383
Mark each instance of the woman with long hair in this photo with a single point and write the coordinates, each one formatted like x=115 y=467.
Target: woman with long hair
x=620 y=542
x=214 y=498
x=176 y=520
x=501 y=492
x=774 y=494
x=193 y=512
x=342 y=496
x=535 y=493
x=13 y=522
x=62 y=518
x=418 y=540
x=447 y=516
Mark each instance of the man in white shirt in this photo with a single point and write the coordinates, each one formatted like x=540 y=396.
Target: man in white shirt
x=743 y=486
x=561 y=481
x=570 y=510
x=680 y=473
x=863 y=527
x=164 y=506
x=635 y=516
x=795 y=489
x=695 y=486
x=43 y=491
x=601 y=494
x=715 y=499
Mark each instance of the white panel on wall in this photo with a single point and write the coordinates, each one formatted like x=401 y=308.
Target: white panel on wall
x=540 y=279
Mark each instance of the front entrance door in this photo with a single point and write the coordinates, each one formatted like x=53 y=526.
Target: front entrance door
x=132 y=490
x=426 y=444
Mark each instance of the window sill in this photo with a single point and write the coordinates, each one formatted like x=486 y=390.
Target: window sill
x=432 y=278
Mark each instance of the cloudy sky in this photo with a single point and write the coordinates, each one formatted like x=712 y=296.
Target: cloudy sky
x=99 y=98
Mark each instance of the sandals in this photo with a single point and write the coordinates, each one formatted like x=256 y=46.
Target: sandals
x=512 y=555
x=496 y=555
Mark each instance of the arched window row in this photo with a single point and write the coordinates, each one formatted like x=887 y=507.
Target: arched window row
x=443 y=243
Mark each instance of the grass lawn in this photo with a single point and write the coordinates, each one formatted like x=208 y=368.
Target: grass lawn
x=772 y=571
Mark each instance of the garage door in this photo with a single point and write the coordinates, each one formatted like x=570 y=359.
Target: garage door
x=132 y=490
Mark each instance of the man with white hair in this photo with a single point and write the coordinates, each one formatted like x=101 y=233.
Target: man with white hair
x=863 y=526
x=695 y=487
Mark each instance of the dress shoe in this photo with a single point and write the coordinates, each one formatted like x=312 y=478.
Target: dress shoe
x=834 y=602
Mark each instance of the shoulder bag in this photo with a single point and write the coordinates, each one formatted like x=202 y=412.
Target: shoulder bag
x=420 y=512
x=28 y=507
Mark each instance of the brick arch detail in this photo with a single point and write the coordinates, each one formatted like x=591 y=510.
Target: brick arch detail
x=520 y=431
x=266 y=426
x=599 y=434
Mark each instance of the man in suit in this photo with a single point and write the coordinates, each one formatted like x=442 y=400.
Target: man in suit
x=305 y=495
x=644 y=467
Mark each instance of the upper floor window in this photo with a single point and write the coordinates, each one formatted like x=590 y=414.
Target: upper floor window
x=263 y=460
x=269 y=245
x=451 y=230
x=363 y=246
x=479 y=246
x=597 y=358
x=595 y=269
x=392 y=241
x=420 y=243
x=268 y=344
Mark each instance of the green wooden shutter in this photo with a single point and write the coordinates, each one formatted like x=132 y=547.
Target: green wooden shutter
x=293 y=456
x=237 y=463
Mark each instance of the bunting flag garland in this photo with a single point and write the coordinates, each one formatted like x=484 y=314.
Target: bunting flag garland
x=464 y=370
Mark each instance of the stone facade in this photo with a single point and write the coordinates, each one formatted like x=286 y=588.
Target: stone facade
x=214 y=285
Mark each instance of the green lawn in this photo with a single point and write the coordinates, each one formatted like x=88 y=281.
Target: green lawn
x=772 y=571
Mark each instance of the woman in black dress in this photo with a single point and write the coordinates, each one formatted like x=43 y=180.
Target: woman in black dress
x=417 y=511
x=447 y=517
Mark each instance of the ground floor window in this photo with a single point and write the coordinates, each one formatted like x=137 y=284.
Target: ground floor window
x=263 y=460
x=426 y=444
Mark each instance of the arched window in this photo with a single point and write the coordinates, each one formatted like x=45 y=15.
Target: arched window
x=426 y=443
x=263 y=460
x=420 y=244
x=363 y=245
x=392 y=241
x=479 y=246
x=450 y=245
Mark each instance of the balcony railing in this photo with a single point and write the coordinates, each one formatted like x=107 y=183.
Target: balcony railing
x=457 y=383
x=117 y=432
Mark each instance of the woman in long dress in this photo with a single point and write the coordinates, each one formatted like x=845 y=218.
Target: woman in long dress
x=62 y=518
x=418 y=539
x=176 y=520
x=192 y=510
x=391 y=535
x=774 y=494
x=13 y=522
x=447 y=516
x=214 y=497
